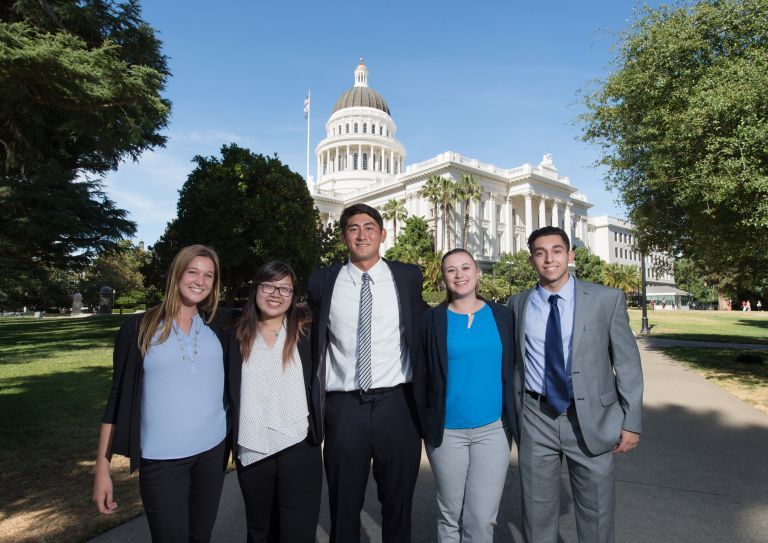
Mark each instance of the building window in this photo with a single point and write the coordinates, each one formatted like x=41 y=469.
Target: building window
x=373 y=129
x=347 y=128
x=365 y=128
x=355 y=128
x=615 y=236
x=339 y=160
x=381 y=130
x=365 y=160
x=354 y=162
x=615 y=249
x=387 y=164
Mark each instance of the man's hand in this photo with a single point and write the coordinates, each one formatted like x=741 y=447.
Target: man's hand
x=627 y=442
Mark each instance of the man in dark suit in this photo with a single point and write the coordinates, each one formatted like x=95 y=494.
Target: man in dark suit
x=364 y=341
x=578 y=390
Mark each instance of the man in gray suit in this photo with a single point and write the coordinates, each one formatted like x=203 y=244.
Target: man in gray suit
x=578 y=392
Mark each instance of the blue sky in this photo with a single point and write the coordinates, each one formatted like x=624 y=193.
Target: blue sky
x=496 y=81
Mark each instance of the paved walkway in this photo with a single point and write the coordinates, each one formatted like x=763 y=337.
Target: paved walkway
x=699 y=475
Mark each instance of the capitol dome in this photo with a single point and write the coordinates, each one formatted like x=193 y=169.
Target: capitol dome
x=361 y=95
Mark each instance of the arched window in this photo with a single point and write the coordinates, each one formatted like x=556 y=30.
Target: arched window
x=355 y=128
x=381 y=130
x=347 y=128
x=365 y=128
x=354 y=161
x=365 y=160
x=373 y=129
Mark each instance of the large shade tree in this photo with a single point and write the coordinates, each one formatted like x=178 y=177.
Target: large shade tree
x=251 y=209
x=682 y=121
x=81 y=90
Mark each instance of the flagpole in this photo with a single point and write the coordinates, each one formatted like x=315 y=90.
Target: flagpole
x=309 y=115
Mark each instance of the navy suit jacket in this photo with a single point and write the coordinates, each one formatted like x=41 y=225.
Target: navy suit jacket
x=408 y=284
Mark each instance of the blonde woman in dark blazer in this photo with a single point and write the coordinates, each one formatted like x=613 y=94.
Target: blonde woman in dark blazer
x=166 y=409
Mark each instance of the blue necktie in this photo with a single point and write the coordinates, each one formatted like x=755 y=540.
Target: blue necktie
x=555 y=377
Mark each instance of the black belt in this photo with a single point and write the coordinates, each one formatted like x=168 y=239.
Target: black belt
x=370 y=391
x=541 y=397
x=536 y=396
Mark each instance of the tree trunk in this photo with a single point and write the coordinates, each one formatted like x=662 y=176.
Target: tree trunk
x=465 y=230
x=723 y=303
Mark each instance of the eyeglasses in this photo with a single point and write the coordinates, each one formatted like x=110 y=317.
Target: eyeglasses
x=285 y=292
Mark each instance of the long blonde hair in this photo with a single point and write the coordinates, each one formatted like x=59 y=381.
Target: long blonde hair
x=166 y=312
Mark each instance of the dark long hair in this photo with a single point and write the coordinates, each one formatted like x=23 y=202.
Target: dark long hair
x=297 y=318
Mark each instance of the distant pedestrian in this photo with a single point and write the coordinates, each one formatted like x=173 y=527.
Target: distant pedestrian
x=759 y=305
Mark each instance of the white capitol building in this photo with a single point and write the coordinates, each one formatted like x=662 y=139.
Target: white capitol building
x=360 y=160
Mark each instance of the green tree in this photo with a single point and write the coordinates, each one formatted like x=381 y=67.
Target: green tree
x=689 y=279
x=516 y=270
x=394 y=210
x=494 y=287
x=467 y=190
x=589 y=267
x=433 y=274
x=332 y=250
x=251 y=209
x=623 y=277
x=432 y=193
x=414 y=245
x=682 y=121
x=121 y=269
x=81 y=91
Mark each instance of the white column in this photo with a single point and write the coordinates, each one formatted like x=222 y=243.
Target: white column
x=528 y=214
x=319 y=172
x=509 y=228
x=556 y=213
x=568 y=221
x=542 y=212
x=493 y=230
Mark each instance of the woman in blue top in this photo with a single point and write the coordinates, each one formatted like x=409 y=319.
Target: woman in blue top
x=166 y=410
x=465 y=402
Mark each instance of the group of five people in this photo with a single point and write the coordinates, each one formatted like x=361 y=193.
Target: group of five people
x=368 y=371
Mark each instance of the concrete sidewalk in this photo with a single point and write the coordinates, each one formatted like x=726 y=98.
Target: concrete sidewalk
x=699 y=475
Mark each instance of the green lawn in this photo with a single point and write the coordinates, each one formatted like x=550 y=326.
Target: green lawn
x=54 y=379
x=722 y=326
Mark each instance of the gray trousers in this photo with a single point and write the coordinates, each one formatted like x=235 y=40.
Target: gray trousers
x=545 y=439
x=470 y=467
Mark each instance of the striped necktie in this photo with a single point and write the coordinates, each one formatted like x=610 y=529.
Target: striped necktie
x=364 y=335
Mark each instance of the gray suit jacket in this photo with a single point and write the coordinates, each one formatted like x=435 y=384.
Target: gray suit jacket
x=606 y=374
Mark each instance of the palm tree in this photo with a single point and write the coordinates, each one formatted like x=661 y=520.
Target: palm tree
x=449 y=198
x=394 y=210
x=467 y=190
x=432 y=193
x=622 y=277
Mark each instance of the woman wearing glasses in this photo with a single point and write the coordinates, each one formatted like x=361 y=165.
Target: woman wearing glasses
x=276 y=424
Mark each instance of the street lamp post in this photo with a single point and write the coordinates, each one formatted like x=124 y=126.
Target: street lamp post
x=644 y=329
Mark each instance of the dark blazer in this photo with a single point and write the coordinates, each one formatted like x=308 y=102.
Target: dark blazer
x=124 y=401
x=235 y=361
x=408 y=283
x=430 y=382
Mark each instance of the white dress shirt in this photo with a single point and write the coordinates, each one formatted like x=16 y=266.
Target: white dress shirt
x=390 y=363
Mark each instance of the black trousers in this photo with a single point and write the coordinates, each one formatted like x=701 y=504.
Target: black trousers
x=282 y=495
x=364 y=428
x=181 y=496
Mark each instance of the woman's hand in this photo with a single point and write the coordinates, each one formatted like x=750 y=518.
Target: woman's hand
x=102 y=491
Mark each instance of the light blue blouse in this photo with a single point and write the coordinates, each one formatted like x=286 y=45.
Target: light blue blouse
x=474 y=388
x=182 y=400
